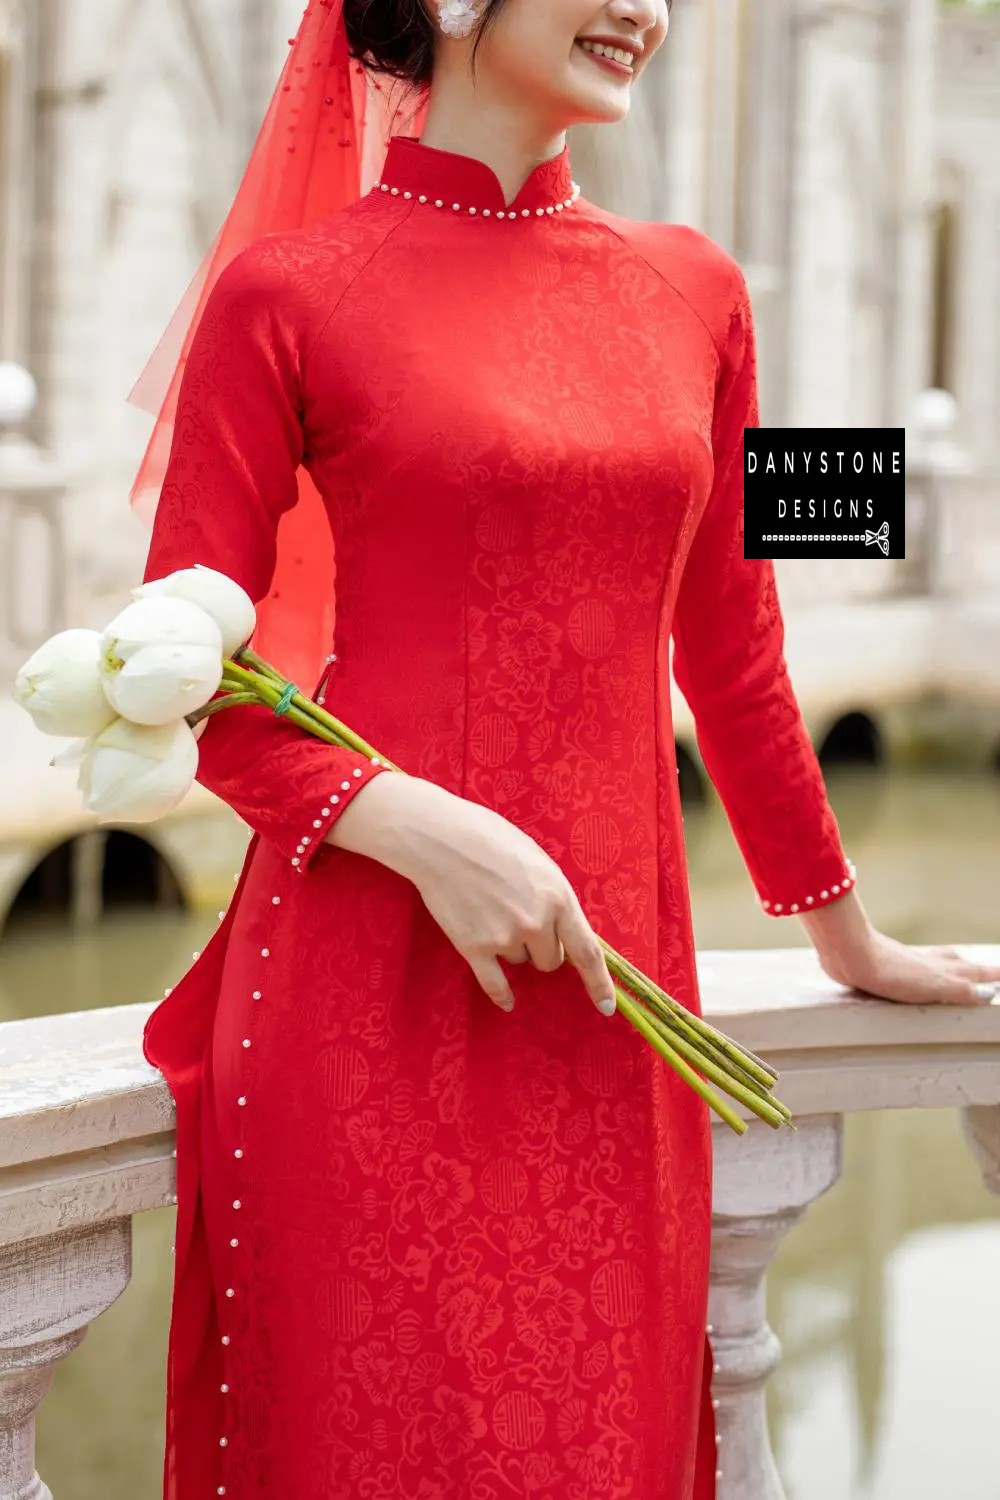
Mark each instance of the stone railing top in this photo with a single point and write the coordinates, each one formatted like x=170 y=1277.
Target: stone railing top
x=86 y=1125
x=75 y=1081
x=780 y=998
x=837 y=1050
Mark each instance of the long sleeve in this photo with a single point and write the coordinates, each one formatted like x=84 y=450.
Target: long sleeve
x=729 y=663
x=237 y=444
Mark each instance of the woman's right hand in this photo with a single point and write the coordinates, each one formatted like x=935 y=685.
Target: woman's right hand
x=490 y=887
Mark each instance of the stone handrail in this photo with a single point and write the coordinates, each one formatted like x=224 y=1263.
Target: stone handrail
x=86 y=1141
x=836 y=1053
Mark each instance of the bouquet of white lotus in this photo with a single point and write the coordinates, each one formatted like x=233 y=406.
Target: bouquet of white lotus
x=176 y=655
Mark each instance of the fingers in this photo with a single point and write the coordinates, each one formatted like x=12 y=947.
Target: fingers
x=976 y=983
x=942 y=988
x=493 y=982
x=952 y=959
x=515 y=953
x=967 y=992
x=980 y=973
x=546 y=952
x=571 y=939
x=584 y=952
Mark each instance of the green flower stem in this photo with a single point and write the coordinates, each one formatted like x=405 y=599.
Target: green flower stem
x=265 y=694
x=265 y=687
x=687 y=1041
x=634 y=1013
x=303 y=721
x=345 y=736
x=215 y=705
x=644 y=986
x=709 y=1049
x=758 y=1103
x=303 y=711
x=247 y=658
x=684 y=1022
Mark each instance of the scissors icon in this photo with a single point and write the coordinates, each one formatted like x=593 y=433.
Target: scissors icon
x=880 y=538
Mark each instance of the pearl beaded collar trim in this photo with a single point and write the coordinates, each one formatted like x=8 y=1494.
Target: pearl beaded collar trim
x=777 y=908
x=484 y=213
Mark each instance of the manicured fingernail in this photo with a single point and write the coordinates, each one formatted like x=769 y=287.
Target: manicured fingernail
x=986 y=991
x=608 y=1005
x=507 y=1005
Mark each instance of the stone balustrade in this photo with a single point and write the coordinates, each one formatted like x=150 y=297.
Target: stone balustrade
x=86 y=1141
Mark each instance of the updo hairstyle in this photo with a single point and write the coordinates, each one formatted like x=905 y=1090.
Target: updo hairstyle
x=397 y=37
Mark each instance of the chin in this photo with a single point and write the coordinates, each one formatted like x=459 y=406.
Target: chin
x=580 y=106
x=591 y=111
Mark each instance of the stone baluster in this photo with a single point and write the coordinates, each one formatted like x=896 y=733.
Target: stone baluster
x=764 y=1183
x=50 y=1290
x=981 y=1124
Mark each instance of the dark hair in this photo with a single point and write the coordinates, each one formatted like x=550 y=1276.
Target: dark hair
x=397 y=37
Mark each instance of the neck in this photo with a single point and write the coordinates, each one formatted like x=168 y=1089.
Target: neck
x=509 y=140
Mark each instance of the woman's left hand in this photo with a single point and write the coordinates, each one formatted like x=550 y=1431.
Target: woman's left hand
x=854 y=953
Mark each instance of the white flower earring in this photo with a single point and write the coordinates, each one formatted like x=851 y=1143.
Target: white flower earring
x=458 y=17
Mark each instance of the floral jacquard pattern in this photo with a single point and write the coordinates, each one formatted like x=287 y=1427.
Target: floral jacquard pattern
x=426 y=1250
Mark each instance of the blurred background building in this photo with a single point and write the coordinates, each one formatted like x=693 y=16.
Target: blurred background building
x=848 y=154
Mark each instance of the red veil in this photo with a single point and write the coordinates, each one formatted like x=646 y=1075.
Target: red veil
x=321 y=146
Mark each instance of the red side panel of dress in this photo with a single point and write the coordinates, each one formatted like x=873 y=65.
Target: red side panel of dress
x=177 y=1040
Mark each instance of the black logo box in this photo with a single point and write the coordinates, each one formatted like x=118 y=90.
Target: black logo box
x=827 y=492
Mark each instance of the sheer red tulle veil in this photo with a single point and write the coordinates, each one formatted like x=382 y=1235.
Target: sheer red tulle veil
x=321 y=146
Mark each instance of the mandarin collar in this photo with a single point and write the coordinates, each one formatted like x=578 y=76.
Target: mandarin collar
x=415 y=168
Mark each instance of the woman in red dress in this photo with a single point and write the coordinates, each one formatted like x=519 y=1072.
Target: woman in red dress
x=430 y=1247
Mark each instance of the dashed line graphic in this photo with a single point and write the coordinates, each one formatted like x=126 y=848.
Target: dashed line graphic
x=880 y=538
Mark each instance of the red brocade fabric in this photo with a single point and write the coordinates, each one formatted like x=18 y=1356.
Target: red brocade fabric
x=427 y=1250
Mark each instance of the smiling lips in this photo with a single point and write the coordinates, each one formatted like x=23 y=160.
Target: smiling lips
x=611 y=59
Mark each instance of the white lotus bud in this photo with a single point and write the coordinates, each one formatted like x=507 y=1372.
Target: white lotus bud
x=61 y=686
x=229 y=606
x=160 y=660
x=134 y=773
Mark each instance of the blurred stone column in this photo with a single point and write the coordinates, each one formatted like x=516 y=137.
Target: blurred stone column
x=722 y=133
x=763 y=167
x=686 y=71
x=981 y=1124
x=763 y=1185
x=909 y=102
x=17 y=29
x=32 y=547
x=50 y=1291
x=938 y=533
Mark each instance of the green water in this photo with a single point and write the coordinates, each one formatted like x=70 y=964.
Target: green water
x=886 y=1298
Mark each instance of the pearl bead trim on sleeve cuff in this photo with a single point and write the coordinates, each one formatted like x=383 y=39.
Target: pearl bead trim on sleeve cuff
x=312 y=841
x=811 y=902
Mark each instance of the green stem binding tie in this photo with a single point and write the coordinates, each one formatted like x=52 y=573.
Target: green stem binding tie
x=284 y=703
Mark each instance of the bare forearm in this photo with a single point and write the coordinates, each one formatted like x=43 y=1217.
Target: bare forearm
x=388 y=819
